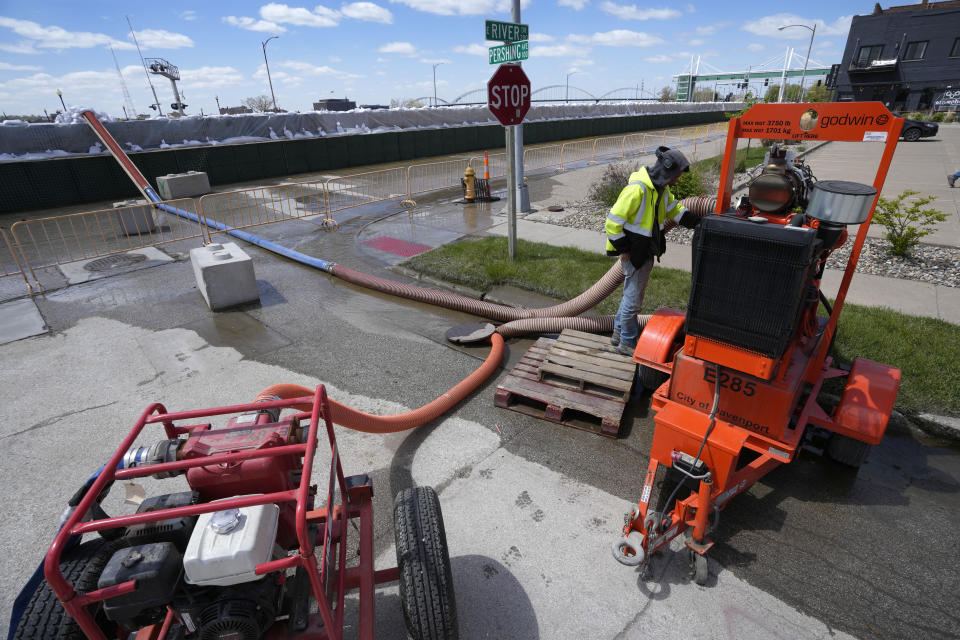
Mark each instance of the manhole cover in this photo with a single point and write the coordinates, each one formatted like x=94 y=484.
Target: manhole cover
x=555 y=208
x=119 y=261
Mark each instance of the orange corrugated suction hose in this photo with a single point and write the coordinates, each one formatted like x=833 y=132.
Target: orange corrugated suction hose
x=368 y=423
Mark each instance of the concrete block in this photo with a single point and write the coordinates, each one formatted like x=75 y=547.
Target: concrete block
x=183 y=185
x=224 y=275
x=135 y=217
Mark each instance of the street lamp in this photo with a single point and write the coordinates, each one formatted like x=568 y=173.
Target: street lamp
x=567 y=98
x=435 y=83
x=264 y=45
x=60 y=95
x=813 y=32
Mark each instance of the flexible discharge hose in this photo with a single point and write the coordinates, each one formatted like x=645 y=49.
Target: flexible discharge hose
x=369 y=423
x=602 y=324
x=585 y=301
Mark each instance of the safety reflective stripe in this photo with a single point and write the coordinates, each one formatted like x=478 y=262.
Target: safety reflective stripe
x=615 y=219
x=616 y=237
x=637 y=229
x=672 y=206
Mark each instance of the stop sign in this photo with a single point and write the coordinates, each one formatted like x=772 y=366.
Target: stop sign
x=508 y=94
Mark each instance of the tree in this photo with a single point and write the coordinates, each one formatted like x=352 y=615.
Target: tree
x=818 y=94
x=792 y=93
x=667 y=94
x=704 y=94
x=259 y=103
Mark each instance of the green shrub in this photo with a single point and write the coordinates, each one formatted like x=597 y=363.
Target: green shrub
x=615 y=177
x=950 y=116
x=907 y=222
x=691 y=183
x=938 y=116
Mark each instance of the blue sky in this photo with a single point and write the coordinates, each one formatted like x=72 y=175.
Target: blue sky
x=373 y=52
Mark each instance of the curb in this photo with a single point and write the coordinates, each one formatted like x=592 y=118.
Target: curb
x=447 y=286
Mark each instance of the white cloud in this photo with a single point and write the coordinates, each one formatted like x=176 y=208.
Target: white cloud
x=188 y=15
x=753 y=46
x=293 y=73
x=696 y=42
x=53 y=37
x=367 y=11
x=583 y=62
x=251 y=24
x=576 y=5
x=6 y=66
x=633 y=12
x=618 y=38
x=211 y=77
x=22 y=47
x=461 y=8
x=400 y=48
x=659 y=59
x=541 y=37
x=711 y=29
x=434 y=61
x=282 y=14
x=160 y=39
x=471 y=49
x=770 y=26
x=559 y=51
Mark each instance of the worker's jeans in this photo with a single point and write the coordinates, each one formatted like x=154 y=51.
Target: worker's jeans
x=634 y=286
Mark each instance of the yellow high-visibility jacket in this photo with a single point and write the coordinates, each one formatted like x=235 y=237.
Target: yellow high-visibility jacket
x=630 y=223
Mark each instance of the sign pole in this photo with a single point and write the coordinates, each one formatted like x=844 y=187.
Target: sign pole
x=523 y=195
x=511 y=194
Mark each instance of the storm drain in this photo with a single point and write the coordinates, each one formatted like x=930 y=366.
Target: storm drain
x=119 y=261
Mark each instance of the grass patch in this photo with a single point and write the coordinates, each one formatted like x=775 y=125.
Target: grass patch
x=558 y=272
x=925 y=349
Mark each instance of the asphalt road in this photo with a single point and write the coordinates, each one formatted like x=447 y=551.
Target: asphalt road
x=811 y=551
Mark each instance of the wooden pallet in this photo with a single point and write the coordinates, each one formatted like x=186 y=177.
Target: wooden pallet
x=563 y=381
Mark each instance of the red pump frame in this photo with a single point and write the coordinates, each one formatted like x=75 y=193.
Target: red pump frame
x=355 y=502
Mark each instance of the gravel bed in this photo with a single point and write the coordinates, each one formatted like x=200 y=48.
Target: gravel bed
x=929 y=263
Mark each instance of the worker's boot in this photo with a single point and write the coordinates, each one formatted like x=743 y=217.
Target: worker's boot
x=951 y=180
x=615 y=339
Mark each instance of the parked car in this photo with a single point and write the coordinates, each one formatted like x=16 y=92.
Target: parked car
x=913 y=130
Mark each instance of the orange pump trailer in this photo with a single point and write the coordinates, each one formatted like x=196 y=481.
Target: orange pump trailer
x=726 y=416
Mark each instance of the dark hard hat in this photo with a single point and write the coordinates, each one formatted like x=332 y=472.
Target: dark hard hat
x=672 y=161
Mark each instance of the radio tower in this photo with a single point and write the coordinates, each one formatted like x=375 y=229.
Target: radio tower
x=131 y=110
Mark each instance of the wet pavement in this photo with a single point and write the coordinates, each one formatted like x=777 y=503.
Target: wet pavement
x=813 y=550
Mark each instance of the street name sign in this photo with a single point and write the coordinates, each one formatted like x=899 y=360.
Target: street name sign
x=512 y=52
x=507 y=31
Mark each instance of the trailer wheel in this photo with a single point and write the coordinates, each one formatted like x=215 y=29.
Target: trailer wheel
x=847 y=451
x=651 y=378
x=426 y=581
x=698 y=567
x=44 y=618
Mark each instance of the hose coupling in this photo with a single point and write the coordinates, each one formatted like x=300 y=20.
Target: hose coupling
x=158 y=453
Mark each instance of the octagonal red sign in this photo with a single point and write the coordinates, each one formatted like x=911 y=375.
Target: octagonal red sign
x=508 y=94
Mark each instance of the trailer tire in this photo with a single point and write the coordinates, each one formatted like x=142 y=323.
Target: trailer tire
x=651 y=378
x=847 y=451
x=44 y=617
x=423 y=562
x=699 y=568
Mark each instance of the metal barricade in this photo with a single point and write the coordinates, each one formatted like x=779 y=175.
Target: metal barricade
x=497 y=164
x=263 y=205
x=11 y=264
x=434 y=176
x=572 y=152
x=57 y=240
x=542 y=157
x=608 y=147
x=634 y=143
x=359 y=189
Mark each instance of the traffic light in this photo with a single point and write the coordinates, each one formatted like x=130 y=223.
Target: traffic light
x=178 y=106
x=766 y=82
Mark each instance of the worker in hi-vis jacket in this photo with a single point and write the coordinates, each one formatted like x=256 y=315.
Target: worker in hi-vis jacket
x=634 y=230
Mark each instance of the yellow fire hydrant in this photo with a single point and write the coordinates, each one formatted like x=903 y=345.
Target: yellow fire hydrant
x=469 y=184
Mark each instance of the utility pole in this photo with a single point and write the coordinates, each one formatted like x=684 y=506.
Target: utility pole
x=435 y=84
x=264 y=45
x=523 y=196
x=217 y=98
x=156 y=101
